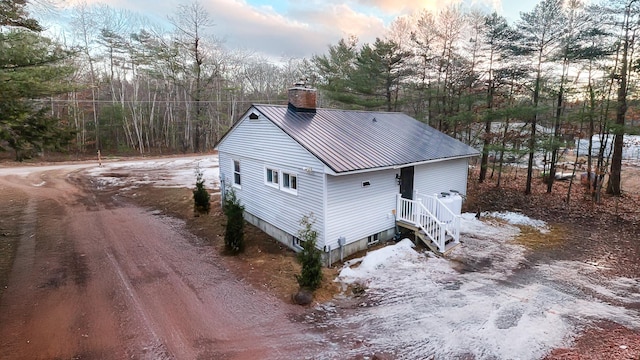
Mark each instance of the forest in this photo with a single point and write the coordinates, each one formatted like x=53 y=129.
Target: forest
x=514 y=90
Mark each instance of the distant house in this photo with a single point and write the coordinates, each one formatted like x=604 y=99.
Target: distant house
x=360 y=173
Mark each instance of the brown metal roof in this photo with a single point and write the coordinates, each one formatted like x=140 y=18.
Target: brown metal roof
x=347 y=140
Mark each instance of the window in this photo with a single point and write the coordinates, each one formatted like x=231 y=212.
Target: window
x=271 y=178
x=289 y=183
x=236 y=173
x=373 y=239
x=297 y=242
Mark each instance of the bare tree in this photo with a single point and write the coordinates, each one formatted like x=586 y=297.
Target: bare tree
x=191 y=23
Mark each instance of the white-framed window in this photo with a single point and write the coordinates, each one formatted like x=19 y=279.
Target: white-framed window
x=297 y=242
x=372 y=239
x=272 y=177
x=236 y=174
x=289 y=182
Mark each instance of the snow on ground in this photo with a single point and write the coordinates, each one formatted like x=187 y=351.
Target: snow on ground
x=518 y=219
x=161 y=172
x=484 y=302
x=630 y=148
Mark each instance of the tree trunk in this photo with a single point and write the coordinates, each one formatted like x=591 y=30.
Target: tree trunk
x=613 y=187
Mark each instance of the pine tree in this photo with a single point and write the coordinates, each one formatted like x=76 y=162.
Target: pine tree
x=201 y=196
x=234 y=234
x=31 y=69
x=310 y=257
x=540 y=32
x=13 y=13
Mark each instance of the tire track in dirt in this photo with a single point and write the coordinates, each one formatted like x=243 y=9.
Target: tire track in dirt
x=25 y=253
x=131 y=284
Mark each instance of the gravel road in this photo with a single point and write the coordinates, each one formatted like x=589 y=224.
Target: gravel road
x=97 y=278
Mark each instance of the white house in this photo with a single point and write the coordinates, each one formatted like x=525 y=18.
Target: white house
x=360 y=173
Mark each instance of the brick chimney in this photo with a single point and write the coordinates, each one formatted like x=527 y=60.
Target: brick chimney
x=302 y=98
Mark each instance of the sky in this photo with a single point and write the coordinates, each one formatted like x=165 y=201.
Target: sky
x=294 y=28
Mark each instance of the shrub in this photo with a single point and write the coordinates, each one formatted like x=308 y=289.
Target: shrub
x=310 y=257
x=234 y=233
x=201 y=196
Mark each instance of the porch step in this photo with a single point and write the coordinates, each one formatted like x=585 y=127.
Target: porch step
x=448 y=245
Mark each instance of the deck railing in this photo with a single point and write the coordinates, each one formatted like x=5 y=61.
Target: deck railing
x=450 y=219
x=415 y=212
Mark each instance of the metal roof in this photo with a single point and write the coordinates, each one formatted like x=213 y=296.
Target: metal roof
x=348 y=140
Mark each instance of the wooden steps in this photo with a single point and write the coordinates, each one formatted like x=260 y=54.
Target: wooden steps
x=448 y=245
x=420 y=234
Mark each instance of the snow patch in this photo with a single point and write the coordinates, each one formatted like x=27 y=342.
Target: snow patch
x=514 y=218
x=485 y=302
x=169 y=172
x=378 y=260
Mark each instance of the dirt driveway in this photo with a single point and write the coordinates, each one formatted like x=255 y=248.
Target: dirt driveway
x=97 y=278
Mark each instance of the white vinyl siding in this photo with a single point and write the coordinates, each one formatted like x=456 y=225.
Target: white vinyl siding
x=259 y=144
x=356 y=211
x=442 y=176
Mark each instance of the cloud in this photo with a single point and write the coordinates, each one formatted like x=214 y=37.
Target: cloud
x=340 y=21
x=262 y=29
x=299 y=30
x=407 y=6
x=287 y=28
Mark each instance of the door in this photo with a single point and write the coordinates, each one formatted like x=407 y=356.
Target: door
x=406 y=182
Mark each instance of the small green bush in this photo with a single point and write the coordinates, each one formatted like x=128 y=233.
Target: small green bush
x=201 y=196
x=310 y=257
x=234 y=233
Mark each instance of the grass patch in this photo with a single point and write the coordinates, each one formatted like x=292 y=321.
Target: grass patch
x=533 y=239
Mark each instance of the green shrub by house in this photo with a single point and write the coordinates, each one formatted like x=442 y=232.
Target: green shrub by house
x=234 y=233
x=201 y=196
x=310 y=257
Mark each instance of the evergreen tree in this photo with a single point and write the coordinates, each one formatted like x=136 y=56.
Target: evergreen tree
x=496 y=37
x=30 y=70
x=381 y=68
x=540 y=33
x=13 y=13
x=627 y=15
x=201 y=196
x=310 y=257
x=568 y=53
x=335 y=68
x=234 y=234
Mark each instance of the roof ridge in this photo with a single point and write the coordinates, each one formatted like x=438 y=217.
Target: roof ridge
x=332 y=109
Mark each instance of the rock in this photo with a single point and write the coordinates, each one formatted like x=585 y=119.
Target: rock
x=358 y=290
x=303 y=297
